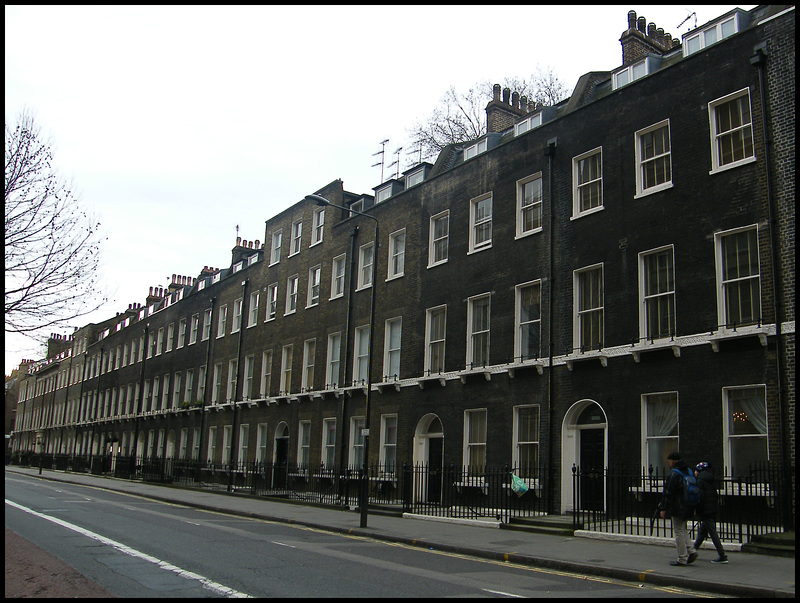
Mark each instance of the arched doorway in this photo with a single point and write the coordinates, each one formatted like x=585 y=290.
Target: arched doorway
x=428 y=459
x=584 y=443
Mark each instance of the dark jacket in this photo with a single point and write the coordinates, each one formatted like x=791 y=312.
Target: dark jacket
x=708 y=493
x=672 y=502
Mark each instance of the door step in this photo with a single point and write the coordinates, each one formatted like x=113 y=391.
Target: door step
x=557 y=525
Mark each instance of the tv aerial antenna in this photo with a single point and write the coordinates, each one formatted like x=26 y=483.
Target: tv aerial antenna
x=396 y=162
x=381 y=153
x=689 y=16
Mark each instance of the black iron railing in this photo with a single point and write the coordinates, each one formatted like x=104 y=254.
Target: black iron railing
x=752 y=501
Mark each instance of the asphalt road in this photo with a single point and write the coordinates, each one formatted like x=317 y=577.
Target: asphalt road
x=132 y=546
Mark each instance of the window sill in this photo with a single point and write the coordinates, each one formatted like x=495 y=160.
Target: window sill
x=722 y=334
x=571 y=359
x=588 y=212
x=528 y=233
x=653 y=346
x=730 y=166
x=653 y=190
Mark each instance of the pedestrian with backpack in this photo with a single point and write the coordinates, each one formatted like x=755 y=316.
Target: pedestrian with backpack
x=681 y=496
x=707 y=510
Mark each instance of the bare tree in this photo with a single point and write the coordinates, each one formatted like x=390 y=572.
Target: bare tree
x=51 y=245
x=461 y=116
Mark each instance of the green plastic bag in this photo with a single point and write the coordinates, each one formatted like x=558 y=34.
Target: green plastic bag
x=518 y=485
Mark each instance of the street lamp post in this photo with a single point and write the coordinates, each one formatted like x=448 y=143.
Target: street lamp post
x=364 y=491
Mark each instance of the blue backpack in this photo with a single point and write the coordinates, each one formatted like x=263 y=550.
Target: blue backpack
x=690 y=491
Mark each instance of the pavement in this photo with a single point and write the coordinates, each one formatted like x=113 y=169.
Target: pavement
x=645 y=560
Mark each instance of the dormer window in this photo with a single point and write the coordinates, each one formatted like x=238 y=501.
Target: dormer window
x=476 y=149
x=415 y=178
x=695 y=41
x=630 y=73
x=529 y=123
x=382 y=194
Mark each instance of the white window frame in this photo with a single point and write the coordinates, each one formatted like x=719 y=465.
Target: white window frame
x=528 y=124
x=309 y=354
x=317 y=226
x=266 y=373
x=338 y=267
x=271 y=310
x=523 y=208
x=647 y=298
x=361 y=357
x=292 y=284
x=286 y=368
x=477 y=332
x=356 y=448
x=328 y=448
x=233 y=369
x=252 y=314
x=521 y=324
x=578 y=186
x=433 y=339
x=388 y=444
x=314 y=276
x=696 y=41
x=237 y=315
x=303 y=445
x=668 y=442
x=518 y=442
x=415 y=178
x=727 y=413
x=366 y=258
x=580 y=311
x=247 y=386
x=642 y=162
x=631 y=73
x=475 y=429
x=275 y=249
x=383 y=194
x=243 y=444
x=333 y=362
x=392 y=343
x=216 y=384
x=434 y=241
x=297 y=238
x=475 y=149
x=222 y=320
x=181 y=338
x=397 y=254
x=479 y=222
x=746 y=128
x=723 y=284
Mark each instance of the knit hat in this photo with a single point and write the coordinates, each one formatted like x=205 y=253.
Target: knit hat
x=702 y=466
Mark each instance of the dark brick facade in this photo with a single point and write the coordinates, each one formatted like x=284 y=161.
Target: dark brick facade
x=699 y=363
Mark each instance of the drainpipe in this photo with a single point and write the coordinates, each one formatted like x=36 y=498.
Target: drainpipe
x=233 y=458
x=759 y=60
x=208 y=373
x=346 y=346
x=550 y=152
x=140 y=401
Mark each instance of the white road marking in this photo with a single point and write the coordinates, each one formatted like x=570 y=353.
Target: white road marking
x=205 y=582
x=502 y=594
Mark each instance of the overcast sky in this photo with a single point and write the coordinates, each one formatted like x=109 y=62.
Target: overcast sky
x=177 y=124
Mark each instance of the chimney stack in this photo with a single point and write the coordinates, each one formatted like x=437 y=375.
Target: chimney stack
x=639 y=40
x=501 y=114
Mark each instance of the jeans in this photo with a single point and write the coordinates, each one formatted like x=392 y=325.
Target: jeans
x=708 y=527
x=682 y=540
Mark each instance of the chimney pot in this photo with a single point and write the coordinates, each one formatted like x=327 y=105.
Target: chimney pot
x=257 y=244
x=515 y=100
x=651 y=30
x=496 y=92
x=631 y=19
x=641 y=24
x=506 y=95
